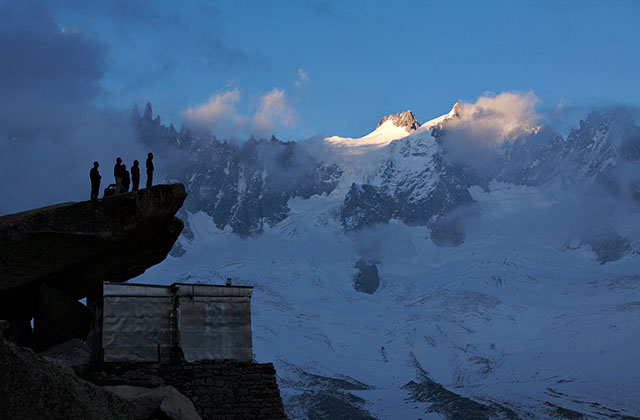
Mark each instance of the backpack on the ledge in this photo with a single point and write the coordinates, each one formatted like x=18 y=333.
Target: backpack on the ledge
x=110 y=190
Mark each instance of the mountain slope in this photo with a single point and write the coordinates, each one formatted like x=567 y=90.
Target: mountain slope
x=528 y=311
x=244 y=186
x=500 y=319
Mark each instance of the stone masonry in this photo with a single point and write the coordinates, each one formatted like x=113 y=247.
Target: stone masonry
x=219 y=389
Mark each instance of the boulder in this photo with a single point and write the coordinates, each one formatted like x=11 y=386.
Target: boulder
x=58 y=318
x=165 y=400
x=75 y=247
x=32 y=388
x=607 y=244
x=366 y=280
x=74 y=354
x=447 y=232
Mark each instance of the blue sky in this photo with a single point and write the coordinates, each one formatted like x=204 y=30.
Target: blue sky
x=337 y=67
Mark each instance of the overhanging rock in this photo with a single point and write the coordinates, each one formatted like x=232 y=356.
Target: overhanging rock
x=75 y=247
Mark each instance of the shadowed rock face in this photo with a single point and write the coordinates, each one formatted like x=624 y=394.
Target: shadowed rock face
x=366 y=280
x=32 y=388
x=74 y=247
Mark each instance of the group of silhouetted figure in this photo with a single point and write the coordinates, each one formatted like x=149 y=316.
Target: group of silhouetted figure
x=124 y=179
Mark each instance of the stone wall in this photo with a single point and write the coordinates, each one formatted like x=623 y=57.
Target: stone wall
x=219 y=389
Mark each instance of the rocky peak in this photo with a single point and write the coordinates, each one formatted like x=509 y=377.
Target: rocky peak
x=135 y=114
x=613 y=126
x=148 y=112
x=455 y=110
x=403 y=119
x=618 y=116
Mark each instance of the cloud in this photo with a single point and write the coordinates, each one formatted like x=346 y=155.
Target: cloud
x=220 y=114
x=302 y=79
x=50 y=129
x=274 y=110
x=473 y=136
x=44 y=66
x=497 y=118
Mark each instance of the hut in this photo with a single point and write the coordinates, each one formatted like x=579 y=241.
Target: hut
x=151 y=323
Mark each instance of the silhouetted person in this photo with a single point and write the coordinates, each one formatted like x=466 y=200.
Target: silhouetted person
x=149 y=170
x=126 y=180
x=117 y=172
x=135 y=175
x=94 y=174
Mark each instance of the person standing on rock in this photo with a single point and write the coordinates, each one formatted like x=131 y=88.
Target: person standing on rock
x=135 y=175
x=126 y=179
x=117 y=173
x=95 y=176
x=149 y=170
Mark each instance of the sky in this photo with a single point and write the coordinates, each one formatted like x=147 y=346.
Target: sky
x=71 y=71
x=300 y=68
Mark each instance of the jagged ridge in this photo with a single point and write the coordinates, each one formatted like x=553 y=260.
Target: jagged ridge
x=403 y=119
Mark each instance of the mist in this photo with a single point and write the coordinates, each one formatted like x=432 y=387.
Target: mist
x=51 y=130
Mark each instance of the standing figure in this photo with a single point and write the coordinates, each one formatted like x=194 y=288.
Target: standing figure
x=135 y=175
x=126 y=180
x=149 y=170
x=95 y=176
x=117 y=173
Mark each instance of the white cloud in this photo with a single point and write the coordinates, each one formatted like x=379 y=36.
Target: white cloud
x=220 y=109
x=495 y=119
x=303 y=78
x=221 y=115
x=274 y=111
x=491 y=121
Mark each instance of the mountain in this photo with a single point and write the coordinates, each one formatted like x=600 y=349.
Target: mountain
x=245 y=186
x=396 y=171
x=605 y=149
x=411 y=183
x=506 y=278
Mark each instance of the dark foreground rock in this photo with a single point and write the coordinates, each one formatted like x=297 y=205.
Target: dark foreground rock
x=67 y=251
x=32 y=388
x=219 y=389
x=74 y=354
x=75 y=247
x=165 y=401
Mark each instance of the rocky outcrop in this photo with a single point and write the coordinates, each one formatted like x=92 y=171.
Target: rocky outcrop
x=165 y=400
x=453 y=406
x=58 y=317
x=365 y=205
x=403 y=119
x=67 y=251
x=32 y=388
x=607 y=244
x=74 y=354
x=366 y=280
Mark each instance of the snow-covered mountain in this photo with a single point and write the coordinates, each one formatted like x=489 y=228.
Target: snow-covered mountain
x=243 y=186
x=396 y=277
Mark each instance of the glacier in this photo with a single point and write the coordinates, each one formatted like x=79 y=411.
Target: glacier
x=520 y=318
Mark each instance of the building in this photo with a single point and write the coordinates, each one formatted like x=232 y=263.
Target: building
x=191 y=322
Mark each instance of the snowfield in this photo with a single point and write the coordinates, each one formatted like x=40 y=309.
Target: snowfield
x=517 y=316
